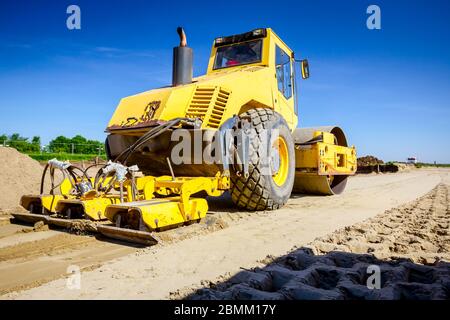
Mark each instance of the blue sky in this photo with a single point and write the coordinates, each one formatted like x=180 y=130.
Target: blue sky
x=389 y=89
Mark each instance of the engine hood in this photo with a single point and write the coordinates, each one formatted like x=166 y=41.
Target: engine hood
x=212 y=98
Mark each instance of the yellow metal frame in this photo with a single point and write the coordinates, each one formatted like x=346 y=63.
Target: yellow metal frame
x=325 y=157
x=47 y=201
x=171 y=211
x=93 y=208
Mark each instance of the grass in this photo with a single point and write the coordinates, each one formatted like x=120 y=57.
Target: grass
x=439 y=165
x=64 y=156
x=424 y=164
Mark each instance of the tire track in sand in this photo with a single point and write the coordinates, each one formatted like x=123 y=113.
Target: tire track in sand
x=33 y=263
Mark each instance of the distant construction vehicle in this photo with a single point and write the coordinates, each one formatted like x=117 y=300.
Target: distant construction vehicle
x=411 y=160
x=249 y=93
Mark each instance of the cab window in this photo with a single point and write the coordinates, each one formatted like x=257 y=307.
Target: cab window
x=238 y=54
x=283 y=69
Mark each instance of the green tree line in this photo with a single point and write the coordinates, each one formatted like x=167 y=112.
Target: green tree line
x=77 y=144
x=61 y=144
x=20 y=143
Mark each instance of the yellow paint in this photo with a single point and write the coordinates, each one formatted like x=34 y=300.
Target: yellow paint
x=48 y=201
x=166 y=212
x=93 y=208
x=283 y=171
x=161 y=213
x=326 y=158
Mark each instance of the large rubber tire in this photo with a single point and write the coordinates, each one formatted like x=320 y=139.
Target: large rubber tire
x=259 y=191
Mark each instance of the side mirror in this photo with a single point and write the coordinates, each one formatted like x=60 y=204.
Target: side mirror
x=305 y=69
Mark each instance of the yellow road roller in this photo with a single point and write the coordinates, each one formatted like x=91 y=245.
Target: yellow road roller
x=233 y=130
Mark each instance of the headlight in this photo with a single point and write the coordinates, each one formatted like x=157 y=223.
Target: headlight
x=258 y=32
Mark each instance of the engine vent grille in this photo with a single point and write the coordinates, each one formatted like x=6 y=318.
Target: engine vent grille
x=219 y=108
x=198 y=108
x=208 y=104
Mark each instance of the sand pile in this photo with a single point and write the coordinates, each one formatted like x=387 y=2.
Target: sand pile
x=19 y=174
x=369 y=164
x=369 y=161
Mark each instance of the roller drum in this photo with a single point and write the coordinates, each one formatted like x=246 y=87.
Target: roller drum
x=313 y=183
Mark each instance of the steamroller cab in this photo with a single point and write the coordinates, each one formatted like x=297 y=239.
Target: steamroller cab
x=233 y=130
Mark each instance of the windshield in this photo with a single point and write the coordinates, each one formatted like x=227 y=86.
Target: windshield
x=238 y=54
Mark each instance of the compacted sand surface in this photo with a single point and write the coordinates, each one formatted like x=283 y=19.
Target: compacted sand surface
x=410 y=244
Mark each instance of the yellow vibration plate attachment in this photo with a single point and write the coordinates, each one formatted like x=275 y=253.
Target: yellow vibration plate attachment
x=41 y=204
x=92 y=209
x=156 y=214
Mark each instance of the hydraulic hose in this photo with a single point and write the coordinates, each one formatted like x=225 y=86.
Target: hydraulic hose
x=151 y=134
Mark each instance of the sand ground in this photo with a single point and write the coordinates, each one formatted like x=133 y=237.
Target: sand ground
x=409 y=245
x=197 y=255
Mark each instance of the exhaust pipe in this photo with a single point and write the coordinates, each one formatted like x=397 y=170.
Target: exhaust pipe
x=182 y=61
